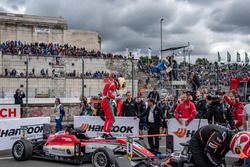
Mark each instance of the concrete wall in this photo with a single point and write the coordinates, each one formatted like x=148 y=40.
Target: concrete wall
x=64 y=87
x=71 y=63
x=90 y=39
x=30 y=29
x=73 y=87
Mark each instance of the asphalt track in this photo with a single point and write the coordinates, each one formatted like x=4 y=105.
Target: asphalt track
x=6 y=160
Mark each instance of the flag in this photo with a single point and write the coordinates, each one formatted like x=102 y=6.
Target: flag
x=138 y=55
x=228 y=57
x=149 y=53
x=126 y=53
x=219 y=58
x=246 y=58
x=238 y=57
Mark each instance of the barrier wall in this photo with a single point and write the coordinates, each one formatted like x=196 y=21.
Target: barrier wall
x=10 y=130
x=123 y=126
x=9 y=111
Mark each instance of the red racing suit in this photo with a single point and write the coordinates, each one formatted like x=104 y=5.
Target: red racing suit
x=237 y=111
x=185 y=110
x=106 y=105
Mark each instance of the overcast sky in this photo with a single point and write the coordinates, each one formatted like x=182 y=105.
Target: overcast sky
x=209 y=25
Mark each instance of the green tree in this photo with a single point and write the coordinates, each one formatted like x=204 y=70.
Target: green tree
x=202 y=61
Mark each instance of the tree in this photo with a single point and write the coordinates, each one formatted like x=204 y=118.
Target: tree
x=202 y=61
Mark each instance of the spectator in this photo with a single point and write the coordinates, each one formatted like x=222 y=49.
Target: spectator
x=83 y=105
x=153 y=119
x=171 y=105
x=140 y=108
x=59 y=111
x=247 y=128
x=185 y=110
x=237 y=107
x=18 y=96
x=164 y=110
x=219 y=112
x=129 y=106
x=154 y=95
x=200 y=104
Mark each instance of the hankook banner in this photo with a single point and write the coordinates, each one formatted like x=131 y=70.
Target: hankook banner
x=123 y=126
x=10 y=130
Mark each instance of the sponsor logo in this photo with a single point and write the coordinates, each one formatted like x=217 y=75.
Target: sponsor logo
x=84 y=127
x=183 y=132
x=99 y=128
x=32 y=129
x=8 y=112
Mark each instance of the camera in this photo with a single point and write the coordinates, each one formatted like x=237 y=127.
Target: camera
x=212 y=97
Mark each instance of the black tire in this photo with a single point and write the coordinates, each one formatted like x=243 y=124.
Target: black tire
x=103 y=157
x=22 y=150
x=141 y=142
x=141 y=165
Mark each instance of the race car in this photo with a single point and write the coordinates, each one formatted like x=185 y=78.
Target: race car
x=73 y=146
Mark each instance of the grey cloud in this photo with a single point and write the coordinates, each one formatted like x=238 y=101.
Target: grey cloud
x=136 y=23
x=231 y=18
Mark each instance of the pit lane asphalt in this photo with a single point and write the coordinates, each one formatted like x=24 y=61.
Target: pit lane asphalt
x=6 y=160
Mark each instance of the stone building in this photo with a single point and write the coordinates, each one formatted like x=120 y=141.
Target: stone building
x=29 y=28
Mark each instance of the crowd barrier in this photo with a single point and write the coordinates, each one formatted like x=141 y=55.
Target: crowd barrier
x=10 y=130
x=123 y=126
x=9 y=111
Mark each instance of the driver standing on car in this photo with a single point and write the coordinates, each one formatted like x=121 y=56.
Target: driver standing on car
x=211 y=143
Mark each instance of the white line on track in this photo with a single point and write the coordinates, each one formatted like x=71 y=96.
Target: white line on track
x=2 y=158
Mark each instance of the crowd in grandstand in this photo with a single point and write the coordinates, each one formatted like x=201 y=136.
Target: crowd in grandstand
x=199 y=73
x=50 y=49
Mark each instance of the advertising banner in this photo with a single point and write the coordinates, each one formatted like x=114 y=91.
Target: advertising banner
x=10 y=130
x=183 y=133
x=123 y=126
x=9 y=111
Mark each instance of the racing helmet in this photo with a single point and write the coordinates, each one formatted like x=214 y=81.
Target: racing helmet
x=240 y=144
x=120 y=83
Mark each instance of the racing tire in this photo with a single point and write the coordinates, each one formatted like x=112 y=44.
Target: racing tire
x=22 y=150
x=141 y=165
x=103 y=157
x=141 y=142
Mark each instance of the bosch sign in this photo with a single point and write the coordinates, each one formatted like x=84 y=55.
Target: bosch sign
x=9 y=111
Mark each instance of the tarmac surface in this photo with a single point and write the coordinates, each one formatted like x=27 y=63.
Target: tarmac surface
x=6 y=160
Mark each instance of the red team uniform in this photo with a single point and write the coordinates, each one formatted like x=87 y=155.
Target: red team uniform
x=106 y=104
x=110 y=94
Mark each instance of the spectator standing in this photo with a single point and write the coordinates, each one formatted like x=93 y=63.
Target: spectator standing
x=153 y=119
x=59 y=111
x=162 y=105
x=154 y=95
x=129 y=106
x=200 y=104
x=83 y=105
x=219 y=112
x=185 y=110
x=18 y=96
x=246 y=126
x=237 y=107
x=140 y=108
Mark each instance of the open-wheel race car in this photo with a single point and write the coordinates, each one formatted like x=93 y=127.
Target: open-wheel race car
x=73 y=146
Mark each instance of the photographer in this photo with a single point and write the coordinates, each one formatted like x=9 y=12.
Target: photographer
x=18 y=96
x=219 y=112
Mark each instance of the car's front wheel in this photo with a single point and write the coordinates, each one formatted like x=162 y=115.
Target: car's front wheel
x=103 y=157
x=22 y=150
